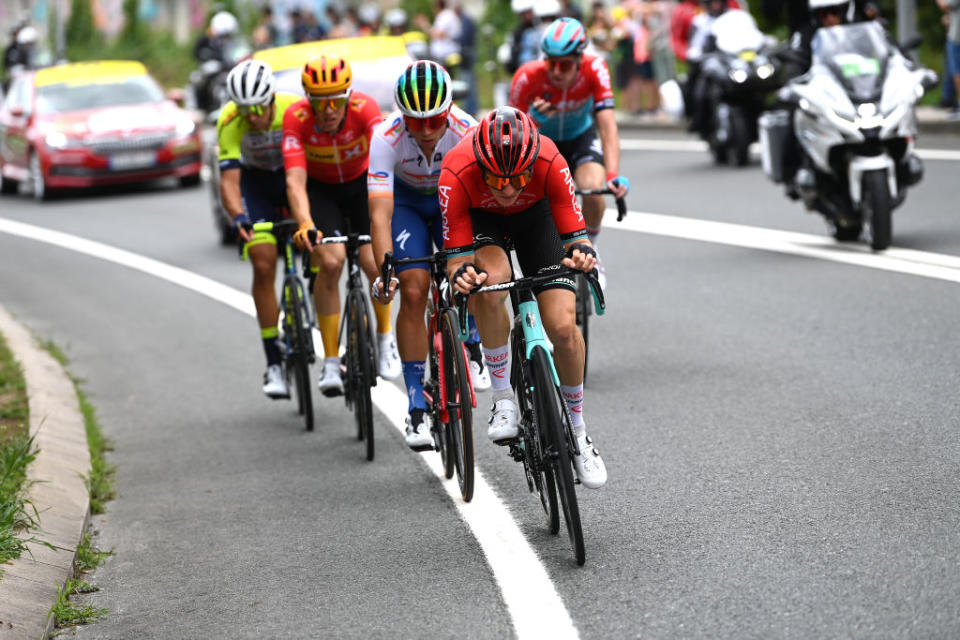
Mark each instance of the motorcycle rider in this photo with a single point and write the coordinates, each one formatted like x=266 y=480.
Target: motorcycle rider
x=212 y=45
x=700 y=42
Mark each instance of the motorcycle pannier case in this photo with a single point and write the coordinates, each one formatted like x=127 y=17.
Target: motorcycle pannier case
x=774 y=131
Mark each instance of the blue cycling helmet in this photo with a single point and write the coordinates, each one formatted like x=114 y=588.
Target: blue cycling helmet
x=564 y=37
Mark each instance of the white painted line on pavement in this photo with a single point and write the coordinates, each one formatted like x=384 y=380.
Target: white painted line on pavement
x=917 y=263
x=535 y=607
x=638 y=144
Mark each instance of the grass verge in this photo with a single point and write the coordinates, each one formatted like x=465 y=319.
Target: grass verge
x=16 y=452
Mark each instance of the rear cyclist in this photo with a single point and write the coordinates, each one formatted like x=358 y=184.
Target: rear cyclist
x=405 y=156
x=507 y=182
x=563 y=94
x=326 y=145
x=253 y=189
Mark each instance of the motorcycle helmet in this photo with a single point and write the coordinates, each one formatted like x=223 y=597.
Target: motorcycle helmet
x=396 y=18
x=546 y=10
x=521 y=6
x=564 y=37
x=223 y=23
x=844 y=7
x=27 y=35
x=251 y=83
x=506 y=142
x=423 y=90
x=326 y=75
x=369 y=14
x=715 y=8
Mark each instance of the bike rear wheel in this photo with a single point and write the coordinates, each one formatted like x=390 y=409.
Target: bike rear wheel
x=554 y=428
x=459 y=402
x=298 y=325
x=540 y=474
x=358 y=366
x=584 y=298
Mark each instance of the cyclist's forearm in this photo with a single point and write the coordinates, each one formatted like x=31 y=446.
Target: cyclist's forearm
x=297 y=195
x=609 y=140
x=381 y=215
x=230 y=193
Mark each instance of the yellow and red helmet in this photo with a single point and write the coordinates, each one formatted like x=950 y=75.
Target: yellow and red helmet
x=326 y=75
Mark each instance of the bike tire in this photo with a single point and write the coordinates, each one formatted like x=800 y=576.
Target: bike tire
x=358 y=367
x=553 y=428
x=539 y=472
x=440 y=428
x=459 y=402
x=584 y=298
x=299 y=360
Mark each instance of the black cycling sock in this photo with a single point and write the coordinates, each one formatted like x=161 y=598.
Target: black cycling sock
x=473 y=348
x=272 y=351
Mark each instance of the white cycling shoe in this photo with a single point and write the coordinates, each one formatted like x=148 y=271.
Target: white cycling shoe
x=589 y=465
x=389 y=366
x=503 y=421
x=479 y=376
x=331 y=382
x=274 y=384
x=418 y=435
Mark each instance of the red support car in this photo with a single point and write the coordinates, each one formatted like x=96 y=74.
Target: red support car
x=93 y=123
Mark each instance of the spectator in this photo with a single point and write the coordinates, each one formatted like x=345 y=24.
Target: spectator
x=525 y=38
x=600 y=31
x=397 y=21
x=468 y=57
x=627 y=32
x=305 y=27
x=681 y=22
x=265 y=34
x=951 y=8
x=568 y=9
x=445 y=34
x=369 y=17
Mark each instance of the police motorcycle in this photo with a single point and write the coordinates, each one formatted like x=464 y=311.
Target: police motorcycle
x=740 y=74
x=855 y=121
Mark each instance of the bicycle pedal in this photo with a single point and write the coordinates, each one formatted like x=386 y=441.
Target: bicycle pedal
x=332 y=393
x=505 y=442
x=424 y=447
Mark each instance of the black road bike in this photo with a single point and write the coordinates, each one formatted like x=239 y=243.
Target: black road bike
x=583 y=289
x=298 y=321
x=546 y=444
x=356 y=329
x=449 y=389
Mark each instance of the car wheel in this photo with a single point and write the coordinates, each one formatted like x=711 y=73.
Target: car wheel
x=38 y=183
x=192 y=180
x=8 y=186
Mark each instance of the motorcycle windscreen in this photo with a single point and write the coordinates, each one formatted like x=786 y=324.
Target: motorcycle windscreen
x=736 y=31
x=856 y=55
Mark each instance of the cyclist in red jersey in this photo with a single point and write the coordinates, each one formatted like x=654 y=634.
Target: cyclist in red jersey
x=564 y=94
x=326 y=145
x=508 y=182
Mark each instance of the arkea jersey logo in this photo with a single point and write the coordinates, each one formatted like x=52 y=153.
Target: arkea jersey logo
x=572 y=190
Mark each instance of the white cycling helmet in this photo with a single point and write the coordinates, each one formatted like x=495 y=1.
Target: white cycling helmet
x=223 y=23
x=251 y=83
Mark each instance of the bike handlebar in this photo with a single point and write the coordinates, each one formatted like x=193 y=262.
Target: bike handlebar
x=621 y=203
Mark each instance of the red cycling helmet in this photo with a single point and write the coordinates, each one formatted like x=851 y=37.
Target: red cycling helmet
x=506 y=142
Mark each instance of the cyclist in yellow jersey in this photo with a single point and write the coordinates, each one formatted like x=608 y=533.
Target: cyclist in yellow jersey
x=253 y=189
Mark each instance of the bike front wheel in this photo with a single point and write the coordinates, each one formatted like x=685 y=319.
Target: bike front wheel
x=359 y=369
x=584 y=298
x=554 y=426
x=302 y=342
x=459 y=398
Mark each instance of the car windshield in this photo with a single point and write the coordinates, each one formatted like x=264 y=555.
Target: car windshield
x=856 y=55
x=58 y=98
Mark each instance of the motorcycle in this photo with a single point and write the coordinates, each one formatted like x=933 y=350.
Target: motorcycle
x=208 y=82
x=854 y=118
x=739 y=75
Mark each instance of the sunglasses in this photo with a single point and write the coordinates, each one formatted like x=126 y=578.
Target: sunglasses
x=562 y=65
x=419 y=124
x=500 y=183
x=255 y=110
x=320 y=103
x=831 y=11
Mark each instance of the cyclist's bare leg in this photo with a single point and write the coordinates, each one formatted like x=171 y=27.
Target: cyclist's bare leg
x=591 y=175
x=411 y=327
x=330 y=258
x=558 y=312
x=263 y=257
x=493 y=321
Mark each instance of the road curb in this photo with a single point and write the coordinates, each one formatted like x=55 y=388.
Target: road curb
x=29 y=584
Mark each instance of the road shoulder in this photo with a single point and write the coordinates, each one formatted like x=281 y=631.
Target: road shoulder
x=58 y=491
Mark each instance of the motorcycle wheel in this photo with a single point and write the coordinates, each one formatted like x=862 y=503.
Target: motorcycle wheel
x=877 y=208
x=738 y=151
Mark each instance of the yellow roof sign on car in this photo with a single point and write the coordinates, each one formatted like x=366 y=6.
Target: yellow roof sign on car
x=353 y=49
x=89 y=72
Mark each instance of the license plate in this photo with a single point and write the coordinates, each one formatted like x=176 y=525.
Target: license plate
x=136 y=160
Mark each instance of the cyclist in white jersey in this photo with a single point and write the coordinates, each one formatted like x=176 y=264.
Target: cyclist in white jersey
x=405 y=156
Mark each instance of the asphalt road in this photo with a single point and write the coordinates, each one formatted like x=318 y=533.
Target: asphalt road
x=780 y=433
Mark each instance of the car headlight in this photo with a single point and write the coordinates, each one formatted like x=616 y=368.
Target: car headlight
x=56 y=140
x=186 y=128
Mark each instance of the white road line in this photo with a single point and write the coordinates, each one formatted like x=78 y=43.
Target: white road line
x=532 y=600
x=637 y=144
